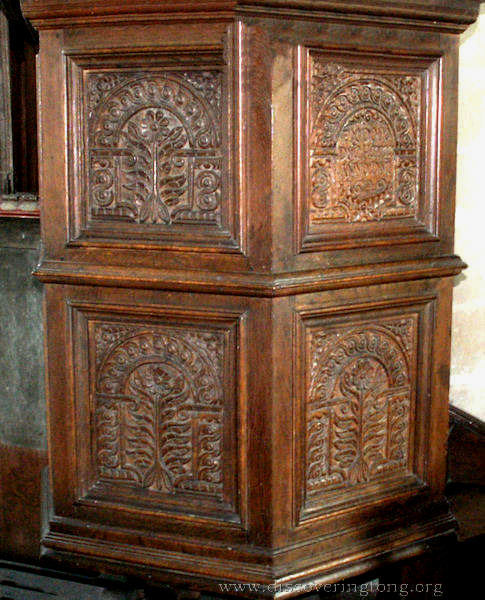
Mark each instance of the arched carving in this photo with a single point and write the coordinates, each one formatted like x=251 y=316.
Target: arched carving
x=358 y=403
x=155 y=147
x=159 y=408
x=364 y=145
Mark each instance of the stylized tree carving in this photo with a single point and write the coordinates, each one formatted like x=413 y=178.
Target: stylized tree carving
x=159 y=408
x=364 y=144
x=155 y=149
x=358 y=404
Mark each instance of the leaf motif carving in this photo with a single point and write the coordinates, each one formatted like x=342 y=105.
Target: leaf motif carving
x=358 y=403
x=364 y=144
x=159 y=408
x=147 y=136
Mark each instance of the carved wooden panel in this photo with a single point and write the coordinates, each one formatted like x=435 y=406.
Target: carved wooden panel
x=155 y=149
x=358 y=404
x=154 y=145
x=358 y=407
x=162 y=409
x=364 y=144
x=159 y=408
x=365 y=149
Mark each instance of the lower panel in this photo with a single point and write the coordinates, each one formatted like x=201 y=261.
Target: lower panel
x=364 y=375
x=200 y=439
x=156 y=416
x=147 y=407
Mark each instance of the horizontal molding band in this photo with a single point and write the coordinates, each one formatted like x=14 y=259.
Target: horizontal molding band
x=209 y=572
x=247 y=284
x=452 y=14
x=467 y=420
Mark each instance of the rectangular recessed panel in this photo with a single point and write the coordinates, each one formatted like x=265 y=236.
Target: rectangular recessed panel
x=155 y=147
x=364 y=144
x=154 y=151
x=161 y=411
x=358 y=411
x=158 y=408
x=359 y=401
x=367 y=149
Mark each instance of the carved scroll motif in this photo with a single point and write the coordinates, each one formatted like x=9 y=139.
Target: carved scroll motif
x=358 y=403
x=155 y=147
x=159 y=407
x=364 y=152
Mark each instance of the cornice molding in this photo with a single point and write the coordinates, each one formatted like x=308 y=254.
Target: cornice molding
x=453 y=15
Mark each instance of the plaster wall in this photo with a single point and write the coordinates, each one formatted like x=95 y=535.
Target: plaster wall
x=468 y=340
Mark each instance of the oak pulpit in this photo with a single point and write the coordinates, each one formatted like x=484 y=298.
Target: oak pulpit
x=247 y=213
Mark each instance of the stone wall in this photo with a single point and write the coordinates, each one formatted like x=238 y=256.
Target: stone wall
x=22 y=406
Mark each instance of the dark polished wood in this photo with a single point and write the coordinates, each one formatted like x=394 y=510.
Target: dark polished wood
x=466 y=474
x=21 y=471
x=248 y=215
x=466 y=448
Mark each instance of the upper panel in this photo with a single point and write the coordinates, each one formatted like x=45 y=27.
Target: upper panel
x=367 y=161
x=185 y=146
x=150 y=160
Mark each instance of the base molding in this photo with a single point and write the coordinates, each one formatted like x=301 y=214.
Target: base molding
x=284 y=573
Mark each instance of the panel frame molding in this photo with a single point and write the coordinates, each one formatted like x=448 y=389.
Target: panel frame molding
x=83 y=232
x=388 y=232
x=347 y=500
x=91 y=494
